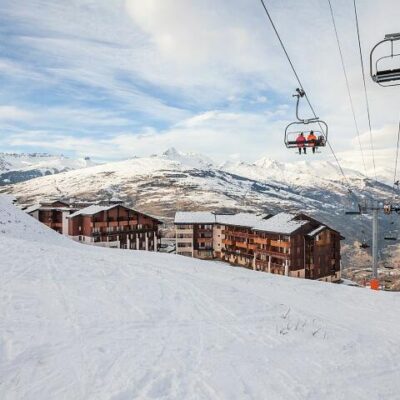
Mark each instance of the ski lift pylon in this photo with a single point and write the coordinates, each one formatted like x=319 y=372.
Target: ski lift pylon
x=383 y=75
x=305 y=126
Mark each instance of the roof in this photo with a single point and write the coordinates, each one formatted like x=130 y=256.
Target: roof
x=33 y=208
x=317 y=230
x=240 y=219
x=194 y=217
x=91 y=210
x=280 y=223
x=95 y=209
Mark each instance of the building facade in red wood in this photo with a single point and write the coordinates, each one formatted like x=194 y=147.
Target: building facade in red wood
x=115 y=226
x=285 y=244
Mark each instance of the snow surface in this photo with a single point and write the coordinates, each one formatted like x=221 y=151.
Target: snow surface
x=81 y=322
x=205 y=217
x=280 y=223
x=91 y=210
x=240 y=219
x=194 y=217
x=189 y=159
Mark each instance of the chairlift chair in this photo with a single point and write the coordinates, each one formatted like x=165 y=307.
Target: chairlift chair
x=391 y=236
x=305 y=126
x=364 y=245
x=387 y=209
x=380 y=73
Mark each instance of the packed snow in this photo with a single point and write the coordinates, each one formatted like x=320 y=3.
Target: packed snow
x=80 y=322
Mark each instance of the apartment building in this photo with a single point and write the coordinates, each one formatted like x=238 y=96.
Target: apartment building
x=108 y=225
x=194 y=234
x=286 y=244
x=53 y=214
x=116 y=226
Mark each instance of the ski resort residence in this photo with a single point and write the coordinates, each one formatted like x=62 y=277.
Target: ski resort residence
x=53 y=214
x=110 y=225
x=115 y=226
x=285 y=244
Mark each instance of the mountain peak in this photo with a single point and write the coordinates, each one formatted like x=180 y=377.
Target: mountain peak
x=193 y=160
x=171 y=152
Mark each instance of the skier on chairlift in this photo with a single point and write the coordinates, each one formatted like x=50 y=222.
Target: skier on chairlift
x=312 y=141
x=300 y=140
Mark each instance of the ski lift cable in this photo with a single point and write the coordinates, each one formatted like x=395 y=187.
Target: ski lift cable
x=348 y=86
x=365 y=87
x=306 y=97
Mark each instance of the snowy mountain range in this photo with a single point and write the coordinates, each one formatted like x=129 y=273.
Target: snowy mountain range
x=16 y=168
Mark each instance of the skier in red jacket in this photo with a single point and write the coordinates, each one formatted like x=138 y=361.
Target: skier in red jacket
x=300 y=140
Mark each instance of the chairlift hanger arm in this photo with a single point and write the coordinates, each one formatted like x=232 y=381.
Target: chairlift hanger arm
x=299 y=94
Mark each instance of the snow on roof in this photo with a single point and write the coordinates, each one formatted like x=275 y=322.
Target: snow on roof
x=33 y=208
x=317 y=230
x=93 y=209
x=280 y=223
x=194 y=217
x=240 y=219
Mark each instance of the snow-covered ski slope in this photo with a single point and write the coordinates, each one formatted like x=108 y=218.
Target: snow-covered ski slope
x=79 y=322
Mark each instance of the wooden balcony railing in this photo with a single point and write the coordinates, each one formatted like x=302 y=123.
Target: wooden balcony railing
x=280 y=243
x=205 y=240
x=273 y=253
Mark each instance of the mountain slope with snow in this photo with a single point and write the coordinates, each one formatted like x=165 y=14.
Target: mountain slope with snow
x=22 y=167
x=80 y=322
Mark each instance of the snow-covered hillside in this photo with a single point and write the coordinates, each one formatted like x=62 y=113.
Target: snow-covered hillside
x=80 y=322
x=21 y=167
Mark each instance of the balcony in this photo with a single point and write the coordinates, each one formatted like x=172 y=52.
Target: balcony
x=133 y=230
x=273 y=253
x=241 y=245
x=237 y=253
x=240 y=234
x=228 y=242
x=204 y=240
x=184 y=240
x=280 y=243
x=54 y=224
x=259 y=240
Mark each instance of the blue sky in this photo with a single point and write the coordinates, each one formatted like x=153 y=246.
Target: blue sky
x=117 y=78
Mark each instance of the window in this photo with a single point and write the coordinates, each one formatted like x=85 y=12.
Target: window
x=180 y=245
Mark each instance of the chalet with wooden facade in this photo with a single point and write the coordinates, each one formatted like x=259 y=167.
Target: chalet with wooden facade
x=286 y=244
x=53 y=214
x=115 y=226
